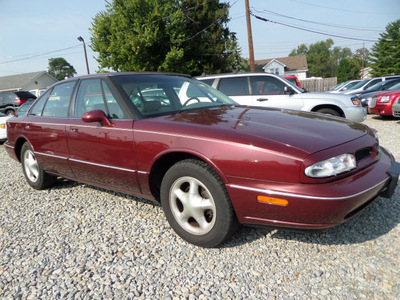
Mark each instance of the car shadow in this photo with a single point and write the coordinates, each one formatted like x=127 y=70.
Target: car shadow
x=63 y=183
x=376 y=220
x=384 y=118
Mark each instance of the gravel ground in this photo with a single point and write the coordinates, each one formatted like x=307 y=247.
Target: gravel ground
x=75 y=241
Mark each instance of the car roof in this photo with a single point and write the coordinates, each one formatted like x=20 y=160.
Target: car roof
x=236 y=75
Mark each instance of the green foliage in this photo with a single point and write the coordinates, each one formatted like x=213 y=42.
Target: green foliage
x=185 y=36
x=386 y=52
x=348 y=69
x=60 y=68
x=324 y=60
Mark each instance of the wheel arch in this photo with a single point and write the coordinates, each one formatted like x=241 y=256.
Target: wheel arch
x=166 y=161
x=330 y=106
x=18 y=146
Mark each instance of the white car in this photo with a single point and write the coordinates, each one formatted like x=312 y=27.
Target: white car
x=3 y=126
x=270 y=90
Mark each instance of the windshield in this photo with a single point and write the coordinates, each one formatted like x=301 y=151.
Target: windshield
x=395 y=87
x=360 y=84
x=154 y=95
x=336 y=87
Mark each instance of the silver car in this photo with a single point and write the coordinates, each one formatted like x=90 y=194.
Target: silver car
x=396 y=109
x=270 y=90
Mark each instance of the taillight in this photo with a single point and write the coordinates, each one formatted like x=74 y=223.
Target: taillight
x=19 y=101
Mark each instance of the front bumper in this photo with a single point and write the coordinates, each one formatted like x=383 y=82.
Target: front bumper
x=314 y=206
x=355 y=113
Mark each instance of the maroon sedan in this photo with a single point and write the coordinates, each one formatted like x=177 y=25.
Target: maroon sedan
x=211 y=163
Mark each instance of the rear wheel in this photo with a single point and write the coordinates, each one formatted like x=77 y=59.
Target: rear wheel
x=34 y=174
x=9 y=112
x=196 y=204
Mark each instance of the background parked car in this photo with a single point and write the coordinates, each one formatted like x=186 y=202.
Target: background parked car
x=10 y=101
x=366 y=97
x=396 y=109
x=380 y=86
x=381 y=104
x=3 y=127
x=344 y=86
x=366 y=83
x=293 y=79
x=270 y=90
x=24 y=108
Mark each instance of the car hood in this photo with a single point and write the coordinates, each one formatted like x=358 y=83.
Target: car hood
x=388 y=93
x=264 y=127
x=325 y=95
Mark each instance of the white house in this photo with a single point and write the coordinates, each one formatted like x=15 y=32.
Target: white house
x=33 y=82
x=292 y=65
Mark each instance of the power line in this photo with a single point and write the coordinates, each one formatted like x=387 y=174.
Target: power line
x=312 y=31
x=347 y=10
x=38 y=55
x=317 y=23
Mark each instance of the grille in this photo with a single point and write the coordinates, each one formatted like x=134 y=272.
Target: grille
x=396 y=113
x=363 y=154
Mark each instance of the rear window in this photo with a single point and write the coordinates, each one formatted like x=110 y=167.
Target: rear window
x=25 y=95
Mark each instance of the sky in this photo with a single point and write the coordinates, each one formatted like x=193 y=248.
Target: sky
x=31 y=32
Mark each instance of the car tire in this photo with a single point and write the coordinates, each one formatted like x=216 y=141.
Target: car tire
x=196 y=204
x=328 y=111
x=9 y=112
x=34 y=174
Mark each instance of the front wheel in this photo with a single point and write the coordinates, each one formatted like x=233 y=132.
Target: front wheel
x=328 y=111
x=196 y=203
x=34 y=174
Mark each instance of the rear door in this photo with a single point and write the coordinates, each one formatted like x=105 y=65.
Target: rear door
x=46 y=130
x=100 y=154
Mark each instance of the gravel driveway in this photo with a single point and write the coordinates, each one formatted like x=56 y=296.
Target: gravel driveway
x=79 y=242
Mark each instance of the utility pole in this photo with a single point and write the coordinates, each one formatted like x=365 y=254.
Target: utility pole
x=362 y=65
x=250 y=37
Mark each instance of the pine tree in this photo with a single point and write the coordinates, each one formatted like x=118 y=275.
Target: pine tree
x=386 y=52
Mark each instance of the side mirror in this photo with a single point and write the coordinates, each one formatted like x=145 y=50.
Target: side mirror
x=288 y=90
x=96 y=116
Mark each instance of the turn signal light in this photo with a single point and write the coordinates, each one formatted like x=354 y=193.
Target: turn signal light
x=271 y=200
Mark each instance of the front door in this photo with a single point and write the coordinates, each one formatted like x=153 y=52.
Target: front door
x=102 y=154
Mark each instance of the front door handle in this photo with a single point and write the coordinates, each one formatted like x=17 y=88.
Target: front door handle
x=262 y=99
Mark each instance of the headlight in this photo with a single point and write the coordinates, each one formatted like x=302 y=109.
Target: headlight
x=332 y=166
x=384 y=99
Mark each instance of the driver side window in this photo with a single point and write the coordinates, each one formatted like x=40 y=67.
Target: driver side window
x=265 y=85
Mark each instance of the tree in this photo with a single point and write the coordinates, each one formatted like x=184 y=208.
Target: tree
x=186 y=36
x=348 y=69
x=386 y=52
x=60 y=68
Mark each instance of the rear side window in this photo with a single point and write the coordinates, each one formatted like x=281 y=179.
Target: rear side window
x=39 y=104
x=234 y=86
x=58 y=103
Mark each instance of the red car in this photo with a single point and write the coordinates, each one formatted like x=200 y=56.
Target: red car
x=381 y=104
x=293 y=79
x=212 y=163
